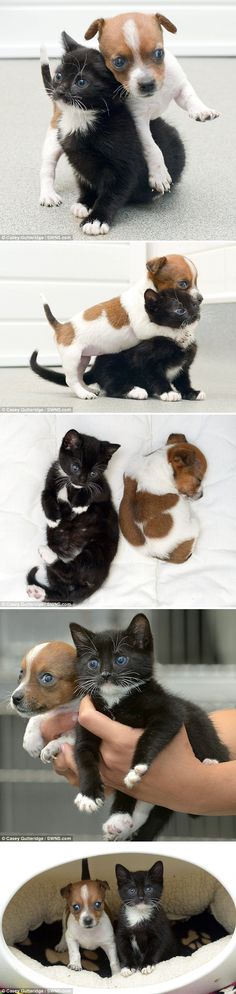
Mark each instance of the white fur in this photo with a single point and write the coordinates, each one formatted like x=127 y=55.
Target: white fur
x=137 y=393
x=36 y=593
x=50 y=154
x=138 y=913
x=87 y=804
x=121 y=826
x=135 y=775
x=53 y=748
x=75 y=119
x=154 y=473
x=112 y=694
x=90 y=938
x=95 y=228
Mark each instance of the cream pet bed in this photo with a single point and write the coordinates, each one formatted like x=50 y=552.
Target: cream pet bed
x=188 y=890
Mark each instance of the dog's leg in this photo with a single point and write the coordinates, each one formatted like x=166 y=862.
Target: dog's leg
x=182 y=383
x=74 y=953
x=189 y=101
x=50 y=154
x=159 y=178
x=110 y=950
x=33 y=740
x=74 y=370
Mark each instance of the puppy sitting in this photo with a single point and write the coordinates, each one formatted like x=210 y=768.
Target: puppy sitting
x=154 y=512
x=159 y=367
x=48 y=685
x=86 y=923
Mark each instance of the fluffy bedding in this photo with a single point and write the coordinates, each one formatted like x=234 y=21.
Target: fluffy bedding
x=28 y=445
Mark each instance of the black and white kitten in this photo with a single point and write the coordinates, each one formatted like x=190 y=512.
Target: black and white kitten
x=116 y=670
x=144 y=935
x=82 y=523
x=99 y=137
x=160 y=366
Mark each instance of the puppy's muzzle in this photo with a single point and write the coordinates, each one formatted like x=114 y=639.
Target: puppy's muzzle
x=146 y=87
x=88 y=922
x=17 y=698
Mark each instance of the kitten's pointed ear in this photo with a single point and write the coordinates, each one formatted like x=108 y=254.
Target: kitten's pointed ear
x=154 y=265
x=108 y=449
x=81 y=636
x=151 y=299
x=66 y=891
x=71 y=440
x=156 y=872
x=122 y=874
x=68 y=43
x=140 y=629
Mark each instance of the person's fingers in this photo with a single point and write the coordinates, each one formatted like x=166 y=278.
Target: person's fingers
x=53 y=727
x=65 y=765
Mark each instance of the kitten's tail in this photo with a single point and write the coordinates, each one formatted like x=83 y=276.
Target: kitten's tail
x=45 y=70
x=64 y=331
x=130 y=529
x=45 y=373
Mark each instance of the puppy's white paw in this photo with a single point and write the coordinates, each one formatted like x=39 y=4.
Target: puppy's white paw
x=137 y=393
x=126 y=972
x=33 y=742
x=36 y=593
x=207 y=114
x=135 y=775
x=79 y=210
x=50 y=750
x=74 y=965
x=171 y=395
x=50 y=199
x=118 y=826
x=87 y=804
x=95 y=388
x=148 y=969
x=160 y=180
x=61 y=946
x=95 y=228
x=82 y=393
x=210 y=762
x=201 y=395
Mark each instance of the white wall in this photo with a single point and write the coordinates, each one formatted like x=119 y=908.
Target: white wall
x=204 y=28
x=72 y=276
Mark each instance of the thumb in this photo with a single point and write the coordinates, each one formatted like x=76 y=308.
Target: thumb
x=95 y=722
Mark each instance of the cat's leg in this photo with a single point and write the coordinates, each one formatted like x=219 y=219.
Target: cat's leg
x=85 y=202
x=112 y=195
x=51 y=153
x=182 y=383
x=153 y=827
x=119 y=825
x=159 y=386
x=91 y=795
x=155 y=737
x=49 y=498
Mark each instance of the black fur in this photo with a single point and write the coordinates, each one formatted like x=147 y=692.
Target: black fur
x=146 y=365
x=85 y=545
x=154 y=939
x=107 y=159
x=147 y=705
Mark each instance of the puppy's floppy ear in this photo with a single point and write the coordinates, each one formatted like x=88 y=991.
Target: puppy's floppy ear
x=165 y=23
x=151 y=299
x=68 y=43
x=95 y=28
x=103 y=884
x=66 y=891
x=71 y=440
x=81 y=636
x=175 y=438
x=154 y=265
x=140 y=629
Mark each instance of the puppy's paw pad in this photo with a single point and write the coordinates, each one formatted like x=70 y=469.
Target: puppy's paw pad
x=49 y=751
x=210 y=762
x=148 y=969
x=61 y=947
x=137 y=393
x=171 y=395
x=79 y=210
x=74 y=966
x=50 y=199
x=126 y=972
x=206 y=115
x=201 y=395
x=160 y=181
x=88 y=804
x=118 y=826
x=36 y=593
x=95 y=228
x=134 y=775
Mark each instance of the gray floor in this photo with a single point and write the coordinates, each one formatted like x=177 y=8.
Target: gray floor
x=213 y=371
x=202 y=206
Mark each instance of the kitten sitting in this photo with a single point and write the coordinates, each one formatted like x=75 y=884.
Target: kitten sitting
x=82 y=524
x=144 y=936
x=116 y=670
x=160 y=366
x=99 y=137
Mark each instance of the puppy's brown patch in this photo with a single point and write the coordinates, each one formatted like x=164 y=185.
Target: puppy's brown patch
x=181 y=552
x=65 y=333
x=167 y=271
x=56 y=658
x=55 y=116
x=150 y=509
x=116 y=314
x=128 y=526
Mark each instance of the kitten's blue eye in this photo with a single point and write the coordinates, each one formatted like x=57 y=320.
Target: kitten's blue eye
x=184 y=284
x=58 y=75
x=81 y=83
x=148 y=887
x=121 y=660
x=132 y=890
x=93 y=664
x=46 y=678
x=76 y=907
x=158 y=54
x=97 y=904
x=119 y=62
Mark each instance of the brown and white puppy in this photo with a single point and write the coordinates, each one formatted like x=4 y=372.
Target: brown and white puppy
x=132 y=46
x=119 y=323
x=86 y=922
x=48 y=685
x=154 y=511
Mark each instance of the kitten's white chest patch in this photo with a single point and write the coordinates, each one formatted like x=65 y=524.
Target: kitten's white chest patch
x=76 y=119
x=138 y=913
x=112 y=694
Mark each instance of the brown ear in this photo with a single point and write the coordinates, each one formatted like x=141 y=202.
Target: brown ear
x=103 y=884
x=164 y=21
x=95 y=28
x=154 y=265
x=182 y=458
x=66 y=891
x=175 y=438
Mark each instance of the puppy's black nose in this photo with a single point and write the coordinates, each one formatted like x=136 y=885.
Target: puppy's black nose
x=147 y=87
x=87 y=921
x=17 y=697
x=199 y=298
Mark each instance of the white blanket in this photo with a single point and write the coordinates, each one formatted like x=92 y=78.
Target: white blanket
x=30 y=443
